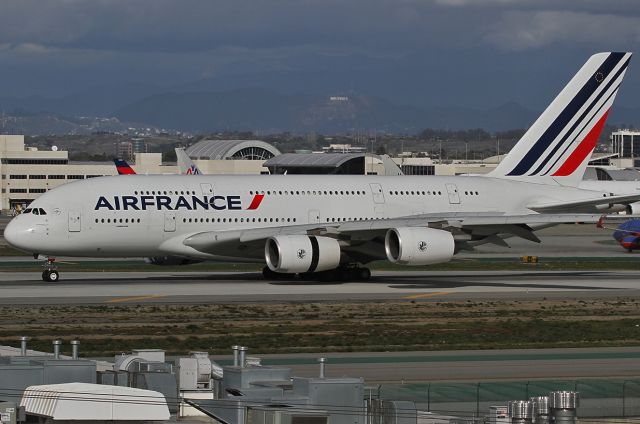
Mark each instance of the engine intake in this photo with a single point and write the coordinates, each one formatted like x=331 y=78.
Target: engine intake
x=418 y=246
x=633 y=209
x=298 y=253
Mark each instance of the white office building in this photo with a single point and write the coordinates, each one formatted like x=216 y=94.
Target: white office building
x=27 y=172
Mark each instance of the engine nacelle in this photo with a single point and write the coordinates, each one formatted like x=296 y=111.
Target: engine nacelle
x=170 y=260
x=633 y=209
x=418 y=246
x=611 y=207
x=298 y=253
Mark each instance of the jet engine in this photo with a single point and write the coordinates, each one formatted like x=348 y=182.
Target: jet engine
x=170 y=260
x=633 y=209
x=418 y=246
x=298 y=253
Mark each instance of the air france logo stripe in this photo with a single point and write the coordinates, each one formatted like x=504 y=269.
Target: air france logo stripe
x=579 y=121
x=563 y=119
x=584 y=148
x=605 y=103
x=255 y=203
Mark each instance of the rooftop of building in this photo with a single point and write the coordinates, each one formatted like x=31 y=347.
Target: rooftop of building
x=232 y=149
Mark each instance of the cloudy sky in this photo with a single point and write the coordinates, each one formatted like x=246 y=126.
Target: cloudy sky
x=426 y=52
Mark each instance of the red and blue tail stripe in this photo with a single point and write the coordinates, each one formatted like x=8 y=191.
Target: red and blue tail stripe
x=546 y=140
x=557 y=147
x=123 y=167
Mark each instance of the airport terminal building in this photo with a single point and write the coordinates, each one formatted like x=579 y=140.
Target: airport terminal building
x=27 y=172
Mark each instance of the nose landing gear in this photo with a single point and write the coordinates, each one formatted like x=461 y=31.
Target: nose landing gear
x=50 y=273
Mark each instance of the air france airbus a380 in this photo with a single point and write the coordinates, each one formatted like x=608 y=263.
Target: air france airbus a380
x=332 y=224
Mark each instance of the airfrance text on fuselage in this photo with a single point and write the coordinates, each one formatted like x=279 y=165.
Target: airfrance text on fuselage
x=214 y=202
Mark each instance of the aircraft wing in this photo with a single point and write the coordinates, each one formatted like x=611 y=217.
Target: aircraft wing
x=587 y=204
x=629 y=232
x=470 y=230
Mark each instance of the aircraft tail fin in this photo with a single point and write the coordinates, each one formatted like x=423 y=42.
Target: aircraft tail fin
x=185 y=164
x=557 y=147
x=123 y=167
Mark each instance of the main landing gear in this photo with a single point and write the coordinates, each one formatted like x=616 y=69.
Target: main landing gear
x=50 y=273
x=343 y=273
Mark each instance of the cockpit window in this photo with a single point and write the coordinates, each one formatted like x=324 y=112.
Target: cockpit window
x=35 y=211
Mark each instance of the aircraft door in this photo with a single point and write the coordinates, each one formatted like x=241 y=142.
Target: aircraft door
x=169 y=221
x=314 y=216
x=454 y=196
x=207 y=189
x=74 y=221
x=378 y=194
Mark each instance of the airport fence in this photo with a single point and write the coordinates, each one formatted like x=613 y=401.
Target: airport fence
x=598 y=397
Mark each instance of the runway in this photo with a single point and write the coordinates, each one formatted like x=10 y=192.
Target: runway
x=564 y=241
x=220 y=287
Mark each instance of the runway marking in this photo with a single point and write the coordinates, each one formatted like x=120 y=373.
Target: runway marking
x=423 y=295
x=129 y=299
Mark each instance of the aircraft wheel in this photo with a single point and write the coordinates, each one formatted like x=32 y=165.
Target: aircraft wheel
x=364 y=274
x=45 y=275
x=268 y=274
x=343 y=274
x=272 y=275
x=54 y=276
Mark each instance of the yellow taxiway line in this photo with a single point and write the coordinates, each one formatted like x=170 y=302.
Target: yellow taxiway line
x=423 y=295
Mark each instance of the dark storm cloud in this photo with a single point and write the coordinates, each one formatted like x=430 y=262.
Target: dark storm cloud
x=391 y=45
x=191 y=25
x=202 y=25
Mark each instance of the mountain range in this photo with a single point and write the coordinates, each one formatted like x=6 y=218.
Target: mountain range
x=267 y=111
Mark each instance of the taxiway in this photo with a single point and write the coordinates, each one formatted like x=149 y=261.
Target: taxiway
x=218 y=287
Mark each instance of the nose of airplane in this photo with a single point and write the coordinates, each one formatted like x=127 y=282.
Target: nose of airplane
x=16 y=234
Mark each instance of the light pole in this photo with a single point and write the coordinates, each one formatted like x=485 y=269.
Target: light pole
x=371 y=168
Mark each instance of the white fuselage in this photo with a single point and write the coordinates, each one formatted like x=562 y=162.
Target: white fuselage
x=616 y=188
x=92 y=217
